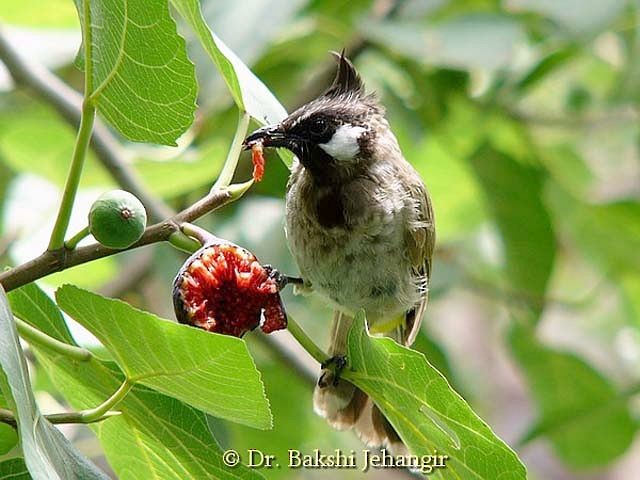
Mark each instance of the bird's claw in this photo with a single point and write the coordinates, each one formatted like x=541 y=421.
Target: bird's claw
x=339 y=362
x=281 y=279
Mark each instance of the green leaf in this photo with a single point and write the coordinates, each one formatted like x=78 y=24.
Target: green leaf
x=14 y=469
x=211 y=372
x=248 y=92
x=426 y=412
x=577 y=16
x=513 y=191
x=140 y=75
x=568 y=169
x=29 y=299
x=544 y=67
x=584 y=416
x=293 y=422
x=48 y=454
x=484 y=41
x=155 y=437
x=434 y=353
x=608 y=234
x=8 y=438
x=8 y=435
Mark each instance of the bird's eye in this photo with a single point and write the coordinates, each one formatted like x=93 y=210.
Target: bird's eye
x=318 y=127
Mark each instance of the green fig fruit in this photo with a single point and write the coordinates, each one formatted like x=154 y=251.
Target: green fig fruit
x=117 y=219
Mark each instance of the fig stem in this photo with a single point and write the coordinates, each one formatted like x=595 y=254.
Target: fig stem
x=303 y=339
x=38 y=337
x=183 y=242
x=238 y=189
x=73 y=178
x=73 y=241
x=93 y=414
x=87 y=118
x=200 y=234
x=231 y=162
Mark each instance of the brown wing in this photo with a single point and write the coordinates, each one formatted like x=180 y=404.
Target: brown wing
x=420 y=238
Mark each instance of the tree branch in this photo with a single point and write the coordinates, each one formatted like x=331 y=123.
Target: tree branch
x=57 y=260
x=68 y=103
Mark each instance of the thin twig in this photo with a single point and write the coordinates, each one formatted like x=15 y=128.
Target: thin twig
x=8 y=417
x=305 y=340
x=285 y=349
x=203 y=236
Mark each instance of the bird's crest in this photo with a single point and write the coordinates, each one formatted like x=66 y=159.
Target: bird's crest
x=347 y=81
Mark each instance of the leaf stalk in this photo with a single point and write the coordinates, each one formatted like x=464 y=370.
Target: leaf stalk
x=231 y=162
x=73 y=241
x=94 y=414
x=38 y=337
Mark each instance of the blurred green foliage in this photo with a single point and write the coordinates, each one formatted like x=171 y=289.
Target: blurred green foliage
x=522 y=116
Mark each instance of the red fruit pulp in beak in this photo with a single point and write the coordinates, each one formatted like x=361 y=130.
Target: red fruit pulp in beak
x=257 y=158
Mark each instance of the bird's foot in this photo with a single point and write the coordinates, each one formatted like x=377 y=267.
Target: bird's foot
x=281 y=279
x=337 y=363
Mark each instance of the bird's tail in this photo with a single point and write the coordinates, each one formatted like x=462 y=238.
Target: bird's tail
x=345 y=406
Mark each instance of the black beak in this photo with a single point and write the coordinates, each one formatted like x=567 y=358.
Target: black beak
x=269 y=136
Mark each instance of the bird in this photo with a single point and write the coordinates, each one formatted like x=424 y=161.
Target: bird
x=360 y=226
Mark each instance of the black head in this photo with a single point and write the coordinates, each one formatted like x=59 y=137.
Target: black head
x=330 y=133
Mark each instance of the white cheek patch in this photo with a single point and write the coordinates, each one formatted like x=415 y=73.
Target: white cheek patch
x=344 y=143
